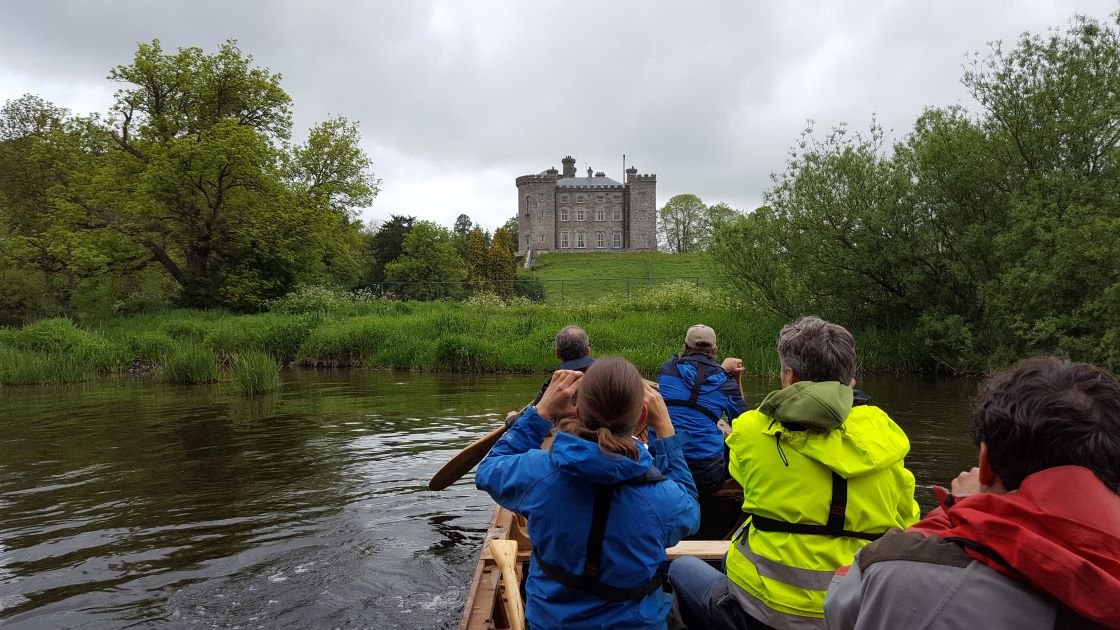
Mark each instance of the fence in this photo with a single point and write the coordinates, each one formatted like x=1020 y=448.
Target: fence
x=556 y=291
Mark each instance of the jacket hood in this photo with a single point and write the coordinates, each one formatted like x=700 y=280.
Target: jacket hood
x=581 y=458
x=815 y=405
x=819 y=421
x=1060 y=532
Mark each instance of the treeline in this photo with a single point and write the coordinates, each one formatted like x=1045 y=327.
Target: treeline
x=190 y=191
x=994 y=233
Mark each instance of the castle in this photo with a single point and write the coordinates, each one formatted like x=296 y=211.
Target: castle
x=559 y=212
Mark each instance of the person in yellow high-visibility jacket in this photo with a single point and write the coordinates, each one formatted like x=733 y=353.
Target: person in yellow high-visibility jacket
x=822 y=474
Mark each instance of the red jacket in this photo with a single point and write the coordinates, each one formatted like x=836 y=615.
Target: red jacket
x=1059 y=532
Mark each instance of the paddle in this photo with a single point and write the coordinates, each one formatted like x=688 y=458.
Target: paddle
x=466 y=459
x=505 y=556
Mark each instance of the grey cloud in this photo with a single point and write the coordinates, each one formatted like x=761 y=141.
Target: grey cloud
x=708 y=95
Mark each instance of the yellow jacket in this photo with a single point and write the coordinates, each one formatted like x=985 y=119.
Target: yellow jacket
x=786 y=468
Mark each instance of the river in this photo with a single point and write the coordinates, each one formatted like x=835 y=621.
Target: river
x=130 y=504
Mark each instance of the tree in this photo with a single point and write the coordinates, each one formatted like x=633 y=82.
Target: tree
x=478 y=260
x=387 y=244
x=192 y=166
x=682 y=224
x=463 y=226
x=503 y=266
x=510 y=226
x=428 y=262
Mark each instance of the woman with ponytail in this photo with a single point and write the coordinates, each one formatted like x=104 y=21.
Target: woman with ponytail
x=601 y=509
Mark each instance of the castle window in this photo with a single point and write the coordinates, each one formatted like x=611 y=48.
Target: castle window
x=616 y=240
x=528 y=241
x=616 y=215
x=542 y=238
x=600 y=215
x=564 y=240
x=579 y=240
x=563 y=199
x=600 y=198
x=563 y=214
x=580 y=198
x=616 y=197
x=579 y=215
x=600 y=239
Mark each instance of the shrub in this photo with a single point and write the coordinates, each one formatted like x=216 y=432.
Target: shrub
x=313 y=299
x=188 y=363
x=255 y=372
x=345 y=342
x=530 y=288
x=461 y=353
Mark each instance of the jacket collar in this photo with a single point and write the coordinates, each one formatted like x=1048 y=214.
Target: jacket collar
x=581 y=364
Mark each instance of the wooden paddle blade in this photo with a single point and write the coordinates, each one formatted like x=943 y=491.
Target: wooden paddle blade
x=505 y=556
x=465 y=460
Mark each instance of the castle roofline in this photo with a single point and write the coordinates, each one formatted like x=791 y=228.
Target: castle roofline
x=587 y=182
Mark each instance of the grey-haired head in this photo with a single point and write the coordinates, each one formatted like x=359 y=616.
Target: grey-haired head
x=817 y=350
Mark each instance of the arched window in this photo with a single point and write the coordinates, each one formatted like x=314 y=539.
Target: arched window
x=579 y=241
x=563 y=240
x=616 y=240
x=600 y=239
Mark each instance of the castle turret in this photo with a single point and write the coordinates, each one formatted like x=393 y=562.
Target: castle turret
x=641 y=192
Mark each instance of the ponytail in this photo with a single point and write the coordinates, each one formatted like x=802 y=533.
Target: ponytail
x=610 y=399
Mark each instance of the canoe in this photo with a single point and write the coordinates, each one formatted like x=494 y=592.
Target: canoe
x=488 y=599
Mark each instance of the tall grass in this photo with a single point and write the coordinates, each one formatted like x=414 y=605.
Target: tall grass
x=255 y=372
x=188 y=363
x=479 y=336
x=18 y=367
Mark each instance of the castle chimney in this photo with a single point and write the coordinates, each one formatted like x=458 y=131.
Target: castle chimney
x=590 y=173
x=569 y=166
x=630 y=172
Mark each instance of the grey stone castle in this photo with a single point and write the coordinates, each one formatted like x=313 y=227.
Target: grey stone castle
x=559 y=212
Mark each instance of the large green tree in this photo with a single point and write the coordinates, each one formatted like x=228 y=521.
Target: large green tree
x=992 y=234
x=682 y=224
x=387 y=243
x=193 y=166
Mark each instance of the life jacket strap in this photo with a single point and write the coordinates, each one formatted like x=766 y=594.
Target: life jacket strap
x=702 y=372
x=834 y=526
x=589 y=581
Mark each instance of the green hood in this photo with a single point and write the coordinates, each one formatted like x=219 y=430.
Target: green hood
x=822 y=406
x=852 y=441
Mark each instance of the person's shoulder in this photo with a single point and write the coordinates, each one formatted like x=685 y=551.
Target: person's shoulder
x=912 y=546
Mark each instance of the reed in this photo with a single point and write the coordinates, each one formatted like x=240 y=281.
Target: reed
x=255 y=372
x=19 y=367
x=188 y=363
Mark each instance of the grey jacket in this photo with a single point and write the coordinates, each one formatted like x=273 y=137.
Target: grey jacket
x=907 y=580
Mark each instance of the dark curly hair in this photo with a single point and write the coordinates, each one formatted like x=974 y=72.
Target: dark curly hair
x=1049 y=412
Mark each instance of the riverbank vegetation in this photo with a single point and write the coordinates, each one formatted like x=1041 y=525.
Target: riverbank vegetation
x=991 y=234
x=329 y=329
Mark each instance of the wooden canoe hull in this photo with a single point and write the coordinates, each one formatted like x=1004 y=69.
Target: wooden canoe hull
x=484 y=609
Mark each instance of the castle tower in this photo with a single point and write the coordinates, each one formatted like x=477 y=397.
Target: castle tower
x=536 y=211
x=641 y=193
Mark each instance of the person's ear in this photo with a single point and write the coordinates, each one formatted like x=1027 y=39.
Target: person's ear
x=789 y=377
x=557 y=353
x=645 y=414
x=588 y=353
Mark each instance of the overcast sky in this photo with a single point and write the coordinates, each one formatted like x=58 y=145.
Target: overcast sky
x=456 y=99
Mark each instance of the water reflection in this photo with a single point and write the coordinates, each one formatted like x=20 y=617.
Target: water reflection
x=134 y=504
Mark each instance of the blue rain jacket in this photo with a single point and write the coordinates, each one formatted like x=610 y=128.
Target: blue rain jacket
x=556 y=489
x=719 y=395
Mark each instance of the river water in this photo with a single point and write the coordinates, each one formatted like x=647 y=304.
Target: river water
x=129 y=504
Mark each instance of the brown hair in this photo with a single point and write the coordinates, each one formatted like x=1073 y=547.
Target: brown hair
x=1049 y=412
x=610 y=401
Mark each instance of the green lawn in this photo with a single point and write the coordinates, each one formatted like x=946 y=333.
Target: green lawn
x=588 y=277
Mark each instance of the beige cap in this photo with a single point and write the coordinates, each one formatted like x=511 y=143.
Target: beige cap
x=700 y=336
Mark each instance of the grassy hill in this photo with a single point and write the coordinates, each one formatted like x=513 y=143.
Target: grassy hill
x=588 y=277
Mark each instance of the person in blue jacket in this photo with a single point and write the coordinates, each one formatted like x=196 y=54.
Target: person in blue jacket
x=699 y=392
x=601 y=510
